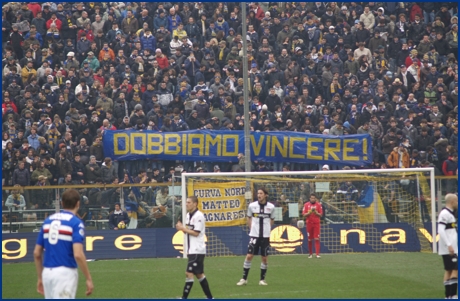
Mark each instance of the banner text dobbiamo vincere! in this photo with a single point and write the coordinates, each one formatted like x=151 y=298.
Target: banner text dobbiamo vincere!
x=224 y=146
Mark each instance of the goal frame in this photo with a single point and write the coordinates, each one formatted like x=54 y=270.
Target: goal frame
x=186 y=175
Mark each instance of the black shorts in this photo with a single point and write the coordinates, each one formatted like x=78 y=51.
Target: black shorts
x=195 y=264
x=450 y=262
x=259 y=243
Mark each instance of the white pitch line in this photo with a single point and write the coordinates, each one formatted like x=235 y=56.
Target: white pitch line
x=265 y=293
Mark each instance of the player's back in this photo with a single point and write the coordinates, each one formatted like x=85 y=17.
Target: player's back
x=57 y=236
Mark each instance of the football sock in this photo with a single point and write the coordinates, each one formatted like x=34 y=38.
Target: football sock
x=187 y=287
x=246 y=266
x=317 y=247
x=453 y=286
x=263 y=271
x=310 y=247
x=447 y=288
x=205 y=287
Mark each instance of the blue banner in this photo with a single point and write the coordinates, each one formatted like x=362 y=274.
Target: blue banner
x=167 y=242
x=224 y=146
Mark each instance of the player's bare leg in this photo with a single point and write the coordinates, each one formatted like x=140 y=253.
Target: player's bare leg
x=246 y=268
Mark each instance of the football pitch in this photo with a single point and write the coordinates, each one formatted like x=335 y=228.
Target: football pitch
x=358 y=275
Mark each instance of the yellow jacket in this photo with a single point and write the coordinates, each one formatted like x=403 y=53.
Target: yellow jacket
x=26 y=72
x=180 y=33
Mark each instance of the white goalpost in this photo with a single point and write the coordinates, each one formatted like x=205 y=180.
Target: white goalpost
x=384 y=196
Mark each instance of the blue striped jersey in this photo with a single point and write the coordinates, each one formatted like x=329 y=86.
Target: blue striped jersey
x=57 y=236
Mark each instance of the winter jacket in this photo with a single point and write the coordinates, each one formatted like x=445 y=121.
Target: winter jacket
x=148 y=43
x=129 y=27
x=10 y=201
x=64 y=167
x=368 y=20
x=91 y=176
x=191 y=67
x=21 y=177
x=42 y=172
x=410 y=132
x=449 y=167
x=116 y=218
x=422 y=142
x=83 y=47
x=202 y=109
x=158 y=22
x=393 y=159
x=164 y=97
x=173 y=22
x=374 y=44
x=450 y=40
x=387 y=147
x=108 y=174
x=33 y=141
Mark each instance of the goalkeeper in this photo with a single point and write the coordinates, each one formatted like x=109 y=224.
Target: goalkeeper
x=117 y=216
x=313 y=211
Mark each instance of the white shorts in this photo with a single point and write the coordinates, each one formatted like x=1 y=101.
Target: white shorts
x=60 y=282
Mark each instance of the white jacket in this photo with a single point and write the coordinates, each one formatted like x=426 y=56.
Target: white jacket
x=368 y=20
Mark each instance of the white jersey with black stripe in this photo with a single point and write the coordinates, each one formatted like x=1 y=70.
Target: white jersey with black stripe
x=261 y=218
x=447 y=218
x=196 y=222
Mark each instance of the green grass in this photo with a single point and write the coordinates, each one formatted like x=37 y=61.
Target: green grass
x=366 y=275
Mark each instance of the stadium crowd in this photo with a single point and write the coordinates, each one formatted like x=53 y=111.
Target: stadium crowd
x=70 y=71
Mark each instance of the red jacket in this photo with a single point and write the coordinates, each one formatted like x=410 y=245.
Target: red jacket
x=89 y=35
x=449 y=167
x=101 y=79
x=34 y=8
x=13 y=106
x=162 y=61
x=110 y=128
x=415 y=10
x=57 y=21
x=409 y=62
x=260 y=13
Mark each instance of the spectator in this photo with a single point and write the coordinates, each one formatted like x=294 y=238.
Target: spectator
x=450 y=168
x=399 y=157
x=118 y=216
x=15 y=200
x=108 y=172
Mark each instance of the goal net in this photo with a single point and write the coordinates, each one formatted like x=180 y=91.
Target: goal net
x=364 y=210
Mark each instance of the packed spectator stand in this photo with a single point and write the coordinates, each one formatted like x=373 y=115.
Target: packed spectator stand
x=70 y=71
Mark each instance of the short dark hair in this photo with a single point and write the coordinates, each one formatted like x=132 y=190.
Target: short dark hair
x=70 y=198
x=193 y=199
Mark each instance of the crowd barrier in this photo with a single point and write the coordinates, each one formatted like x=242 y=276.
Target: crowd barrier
x=232 y=241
